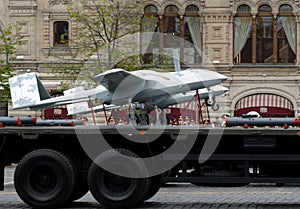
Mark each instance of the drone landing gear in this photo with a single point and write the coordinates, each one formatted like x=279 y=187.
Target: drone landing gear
x=138 y=115
x=160 y=117
x=211 y=101
x=215 y=107
x=132 y=116
x=143 y=118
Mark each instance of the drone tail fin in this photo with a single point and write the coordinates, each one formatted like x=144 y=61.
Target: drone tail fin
x=27 y=90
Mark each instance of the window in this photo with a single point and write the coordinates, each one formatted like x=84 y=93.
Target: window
x=286 y=27
x=171 y=34
x=150 y=10
x=149 y=37
x=192 y=35
x=183 y=34
x=243 y=35
x=264 y=39
x=61 y=33
x=264 y=35
x=267 y=105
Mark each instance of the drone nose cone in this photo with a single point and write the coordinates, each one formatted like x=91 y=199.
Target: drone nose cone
x=225 y=89
x=222 y=77
x=215 y=76
x=219 y=88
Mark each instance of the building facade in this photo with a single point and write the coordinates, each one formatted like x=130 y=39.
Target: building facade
x=255 y=43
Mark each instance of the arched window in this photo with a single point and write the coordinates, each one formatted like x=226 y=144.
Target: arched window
x=150 y=10
x=265 y=39
x=171 y=25
x=61 y=33
x=267 y=105
x=191 y=10
x=242 y=35
x=192 y=35
x=265 y=35
x=286 y=27
x=170 y=40
x=149 y=36
x=183 y=34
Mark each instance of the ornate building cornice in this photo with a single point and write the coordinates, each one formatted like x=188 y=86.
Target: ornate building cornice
x=23 y=10
x=51 y=2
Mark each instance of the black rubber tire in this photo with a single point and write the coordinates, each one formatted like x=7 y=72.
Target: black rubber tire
x=44 y=178
x=155 y=184
x=211 y=102
x=215 y=107
x=114 y=191
x=80 y=189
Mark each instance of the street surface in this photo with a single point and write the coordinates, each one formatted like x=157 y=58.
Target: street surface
x=187 y=196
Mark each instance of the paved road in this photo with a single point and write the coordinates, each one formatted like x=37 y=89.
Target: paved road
x=187 y=196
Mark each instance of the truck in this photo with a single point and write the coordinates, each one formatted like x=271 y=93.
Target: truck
x=124 y=165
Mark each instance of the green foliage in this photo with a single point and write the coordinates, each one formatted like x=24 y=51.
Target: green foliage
x=9 y=39
x=104 y=25
x=67 y=73
x=108 y=37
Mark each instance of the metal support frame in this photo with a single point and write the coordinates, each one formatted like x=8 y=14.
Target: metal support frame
x=199 y=114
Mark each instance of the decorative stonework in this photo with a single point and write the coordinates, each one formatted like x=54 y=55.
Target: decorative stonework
x=24 y=47
x=24 y=27
x=46 y=32
x=216 y=3
x=22 y=10
x=217 y=18
x=52 y=2
x=202 y=2
x=217 y=32
x=59 y=51
x=56 y=10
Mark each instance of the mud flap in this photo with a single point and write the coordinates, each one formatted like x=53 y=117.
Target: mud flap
x=1 y=176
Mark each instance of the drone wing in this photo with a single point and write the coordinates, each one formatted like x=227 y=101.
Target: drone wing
x=112 y=79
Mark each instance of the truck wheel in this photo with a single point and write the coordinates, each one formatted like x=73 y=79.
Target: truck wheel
x=44 y=178
x=114 y=191
x=155 y=184
x=80 y=188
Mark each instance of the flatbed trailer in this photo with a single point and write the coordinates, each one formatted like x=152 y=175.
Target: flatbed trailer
x=57 y=165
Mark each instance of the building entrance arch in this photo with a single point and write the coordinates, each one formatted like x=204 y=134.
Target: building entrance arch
x=267 y=105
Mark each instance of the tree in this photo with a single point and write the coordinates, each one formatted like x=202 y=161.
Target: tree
x=9 y=39
x=104 y=24
x=67 y=73
x=107 y=37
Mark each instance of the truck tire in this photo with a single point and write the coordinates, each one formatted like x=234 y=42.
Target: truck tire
x=44 y=178
x=114 y=191
x=155 y=184
x=80 y=188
